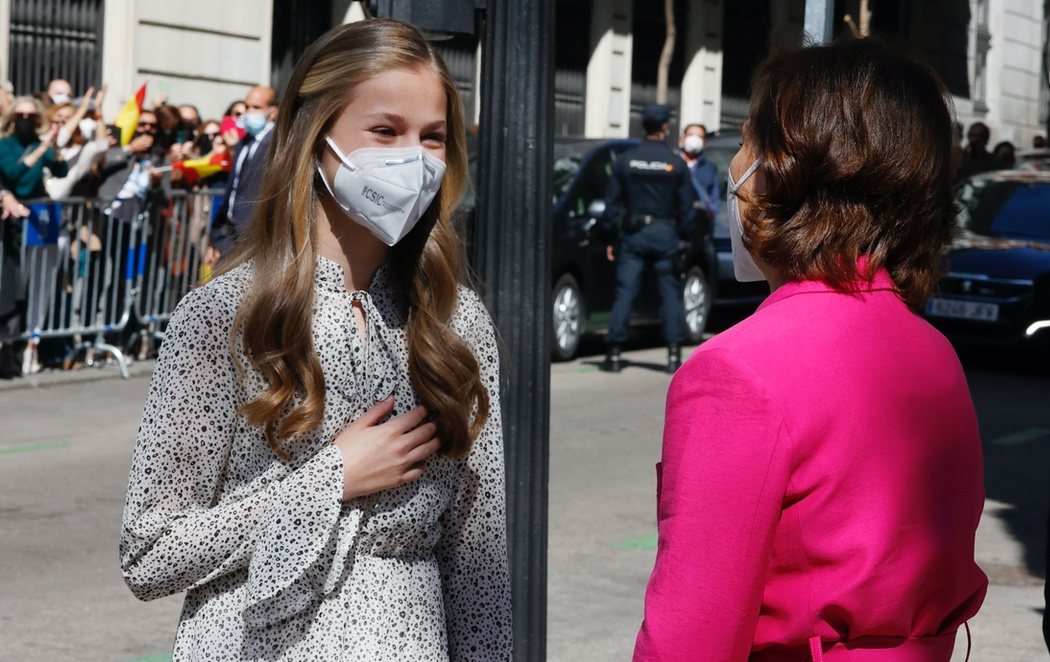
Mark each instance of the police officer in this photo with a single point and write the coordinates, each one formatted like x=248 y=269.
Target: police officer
x=649 y=206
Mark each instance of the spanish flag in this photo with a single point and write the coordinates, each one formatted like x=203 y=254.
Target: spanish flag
x=128 y=118
x=193 y=170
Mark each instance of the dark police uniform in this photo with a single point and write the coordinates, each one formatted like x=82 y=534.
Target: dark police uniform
x=650 y=201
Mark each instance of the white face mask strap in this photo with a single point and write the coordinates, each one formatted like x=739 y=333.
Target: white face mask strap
x=339 y=153
x=743 y=178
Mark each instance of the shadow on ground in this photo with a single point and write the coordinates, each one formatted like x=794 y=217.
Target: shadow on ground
x=1011 y=391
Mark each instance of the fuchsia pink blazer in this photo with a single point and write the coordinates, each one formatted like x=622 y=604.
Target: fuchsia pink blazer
x=820 y=489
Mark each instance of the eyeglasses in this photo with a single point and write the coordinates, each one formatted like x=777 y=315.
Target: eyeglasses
x=147 y=125
x=212 y=135
x=25 y=116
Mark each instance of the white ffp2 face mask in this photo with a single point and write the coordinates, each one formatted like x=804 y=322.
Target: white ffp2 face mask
x=693 y=144
x=744 y=267
x=385 y=189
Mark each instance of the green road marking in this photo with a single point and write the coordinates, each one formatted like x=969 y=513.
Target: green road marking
x=587 y=368
x=159 y=657
x=34 y=447
x=646 y=542
x=1023 y=437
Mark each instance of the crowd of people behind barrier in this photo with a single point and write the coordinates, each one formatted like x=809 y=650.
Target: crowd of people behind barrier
x=102 y=232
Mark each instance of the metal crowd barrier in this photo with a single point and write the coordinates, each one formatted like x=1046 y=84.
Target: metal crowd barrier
x=105 y=275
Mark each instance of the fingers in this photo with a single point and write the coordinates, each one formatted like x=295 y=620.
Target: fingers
x=412 y=474
x=419 y=435
x=376 y=413
x=421 y=452
x=410 y=420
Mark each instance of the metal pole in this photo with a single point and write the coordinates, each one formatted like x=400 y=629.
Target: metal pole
x=818 y=22
x=510 y=250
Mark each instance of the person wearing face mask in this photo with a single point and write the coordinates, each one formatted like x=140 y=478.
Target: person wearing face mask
x=320 y=463
x=249 y=165
x=83 y=142
x=821 y=479
x=27 y=147
x=649 y=207
x=127 y=174
x=703 y=173
x=59 y=92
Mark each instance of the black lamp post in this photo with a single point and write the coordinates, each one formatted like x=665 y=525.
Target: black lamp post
x=510 y=251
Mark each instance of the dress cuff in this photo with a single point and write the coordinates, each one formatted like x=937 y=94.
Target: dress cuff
x=288 y=570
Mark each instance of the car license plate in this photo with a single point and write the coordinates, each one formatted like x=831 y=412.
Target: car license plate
x=967 y=310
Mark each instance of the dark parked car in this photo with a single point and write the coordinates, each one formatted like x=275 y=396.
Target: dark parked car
x=997 y=291
x=585 y=281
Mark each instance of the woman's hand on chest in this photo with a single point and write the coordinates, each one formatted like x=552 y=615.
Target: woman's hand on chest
x=380 y=455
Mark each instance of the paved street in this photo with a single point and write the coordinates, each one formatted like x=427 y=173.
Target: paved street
x=64 y=453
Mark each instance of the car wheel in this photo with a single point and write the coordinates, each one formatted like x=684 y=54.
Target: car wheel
x=567 y=318
x=696 y=297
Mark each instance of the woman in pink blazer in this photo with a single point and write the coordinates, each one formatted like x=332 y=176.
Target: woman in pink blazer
x=821 y=480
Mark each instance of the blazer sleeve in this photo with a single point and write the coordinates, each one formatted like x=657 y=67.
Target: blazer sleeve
x=472 y=552
x=720 y=489
x=177 y=534
x=221 y=220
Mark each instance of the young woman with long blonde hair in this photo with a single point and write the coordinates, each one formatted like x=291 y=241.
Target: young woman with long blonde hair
x=320 y=461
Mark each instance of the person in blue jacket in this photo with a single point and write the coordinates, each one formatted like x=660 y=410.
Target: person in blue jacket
x=703 y=173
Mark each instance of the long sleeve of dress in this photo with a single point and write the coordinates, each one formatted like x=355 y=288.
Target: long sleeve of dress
x=724 y=475
x=175 y=535
x=472 y=551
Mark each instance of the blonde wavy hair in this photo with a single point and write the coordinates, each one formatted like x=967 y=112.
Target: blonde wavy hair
x=7 y=125
x=426 y=266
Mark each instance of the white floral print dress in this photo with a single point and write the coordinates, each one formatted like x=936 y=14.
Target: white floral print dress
x=275 y=566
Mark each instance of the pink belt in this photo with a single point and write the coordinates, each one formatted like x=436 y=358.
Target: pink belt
x=864 y=649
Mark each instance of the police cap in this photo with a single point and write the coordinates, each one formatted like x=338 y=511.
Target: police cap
x=656 y=114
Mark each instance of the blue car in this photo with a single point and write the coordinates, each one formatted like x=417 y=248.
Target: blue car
x=997 y=291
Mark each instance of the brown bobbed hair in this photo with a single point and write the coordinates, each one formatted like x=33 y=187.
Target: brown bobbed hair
x=857 y=155
x=426 y=266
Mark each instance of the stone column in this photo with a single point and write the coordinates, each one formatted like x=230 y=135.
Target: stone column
x=702 y=82
x=607 y=106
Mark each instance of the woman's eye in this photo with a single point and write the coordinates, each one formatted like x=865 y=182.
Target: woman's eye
x=435 y=137
x=383 y=131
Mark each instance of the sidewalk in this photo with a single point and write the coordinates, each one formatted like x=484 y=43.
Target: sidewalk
x=52 y=378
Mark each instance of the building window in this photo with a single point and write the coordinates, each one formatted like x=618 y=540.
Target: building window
x=51 y=40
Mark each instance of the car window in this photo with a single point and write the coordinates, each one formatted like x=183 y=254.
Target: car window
x=1008 y=209
x=565 y=169
x=593 y=179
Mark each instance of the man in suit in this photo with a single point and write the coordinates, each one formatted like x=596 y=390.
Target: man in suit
x=249 y=164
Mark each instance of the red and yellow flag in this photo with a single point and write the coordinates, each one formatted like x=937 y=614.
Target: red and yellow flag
x=193 y=170
x=128 y=118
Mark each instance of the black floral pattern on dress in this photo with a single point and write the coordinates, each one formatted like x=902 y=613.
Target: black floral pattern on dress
x=275 y=566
